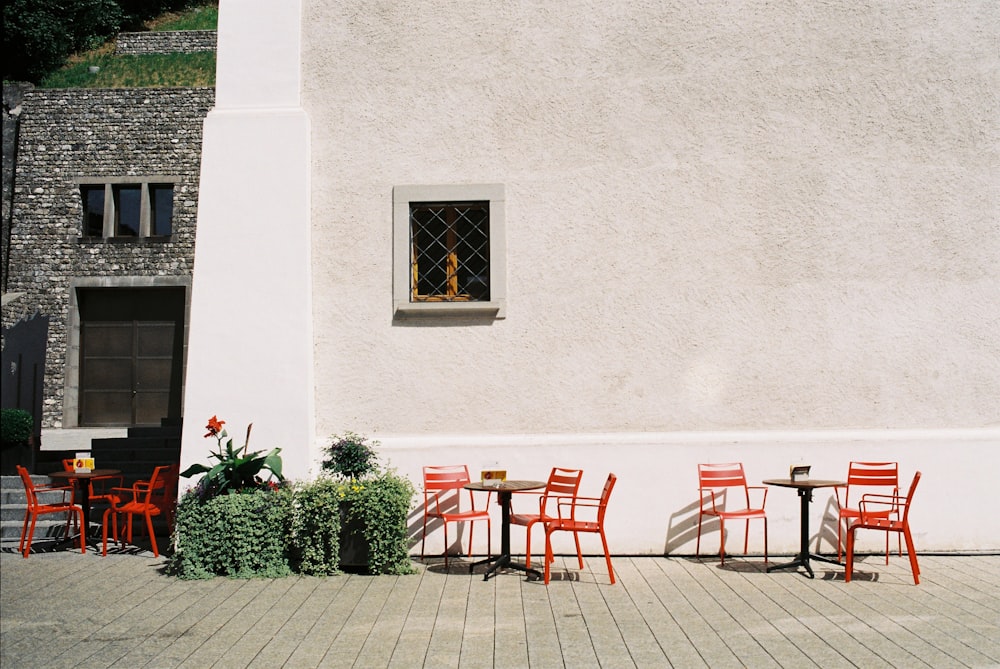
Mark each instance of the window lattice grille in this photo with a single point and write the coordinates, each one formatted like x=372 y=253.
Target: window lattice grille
x=450 y=251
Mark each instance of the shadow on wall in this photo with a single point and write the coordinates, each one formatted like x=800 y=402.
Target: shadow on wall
x=682 y=528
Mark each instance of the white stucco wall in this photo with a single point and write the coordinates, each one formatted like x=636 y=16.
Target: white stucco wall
x=763 y=216
x=250 y=343
x=753 y=231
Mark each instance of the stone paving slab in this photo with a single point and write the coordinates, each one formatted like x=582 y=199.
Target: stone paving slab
x=64 y=609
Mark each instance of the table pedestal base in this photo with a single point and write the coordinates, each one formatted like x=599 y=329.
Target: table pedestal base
x=503 y=561
x=802 y=560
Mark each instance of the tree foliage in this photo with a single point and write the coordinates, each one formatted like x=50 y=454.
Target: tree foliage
x=39 y=35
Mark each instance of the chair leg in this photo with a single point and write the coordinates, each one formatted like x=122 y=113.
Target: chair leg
x=913 y=556
x=446 y=544
x=765 y=540
x=746 y=537
x=423 y=537
x=152 y=535
x=527 y=543
x=549 y=557
x=579 y=553
x=840 y=540
x=697 y=543
x=24 y=532
x=607 y=557
x=83 y=535
x=849 y=568
x=722 y=539
x=31 y=532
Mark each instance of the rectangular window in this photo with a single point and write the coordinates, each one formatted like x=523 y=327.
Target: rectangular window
x=449 y=250
x=127 y=201
x=127 y=209
x=161 y=209
x=93 y=210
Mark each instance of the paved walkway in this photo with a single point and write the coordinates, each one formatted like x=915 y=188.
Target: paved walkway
x=64 y=609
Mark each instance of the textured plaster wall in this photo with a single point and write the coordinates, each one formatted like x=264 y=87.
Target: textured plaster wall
x=720 y=216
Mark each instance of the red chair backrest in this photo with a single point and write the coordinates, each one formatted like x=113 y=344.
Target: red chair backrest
x=909 y=497
x=445 y=477
x=872 y=475
x=609 y=485
x=721 y=476
x=29 y=486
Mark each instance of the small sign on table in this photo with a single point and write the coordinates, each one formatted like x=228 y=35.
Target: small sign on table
x=799 y=472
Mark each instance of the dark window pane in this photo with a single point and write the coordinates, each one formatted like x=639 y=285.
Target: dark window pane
x=161 y=203
x=450 y=251
x=128 y=200
x=93 y=210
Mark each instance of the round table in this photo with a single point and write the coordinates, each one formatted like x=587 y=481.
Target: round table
x=84 y=487
x=504 y=490
x=805 y=489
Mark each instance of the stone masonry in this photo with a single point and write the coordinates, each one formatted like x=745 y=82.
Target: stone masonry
x=170 y=41
x=73 y=134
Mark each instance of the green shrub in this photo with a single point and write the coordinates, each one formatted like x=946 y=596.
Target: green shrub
x=351 y=456
x=382 y=504
x=240 y=535
x=315 y=536
x=16 y=426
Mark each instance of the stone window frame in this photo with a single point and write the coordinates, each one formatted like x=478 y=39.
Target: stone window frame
x=145 y=208
x=402 y=196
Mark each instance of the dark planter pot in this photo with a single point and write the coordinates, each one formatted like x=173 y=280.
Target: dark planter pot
x=353 y=544
x=16 y=454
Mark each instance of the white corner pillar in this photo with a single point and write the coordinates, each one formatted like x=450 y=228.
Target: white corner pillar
x=250 y=338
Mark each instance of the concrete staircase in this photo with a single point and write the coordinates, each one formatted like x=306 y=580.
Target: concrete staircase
x=13 y=505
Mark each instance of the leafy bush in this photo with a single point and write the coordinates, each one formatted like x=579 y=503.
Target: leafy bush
x=382 y=504
x=351 y=456
x=239 y=535
x=16 y=426
x=315 y=536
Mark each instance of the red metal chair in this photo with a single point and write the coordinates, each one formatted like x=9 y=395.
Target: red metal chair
x=872 y=516
x=443 y=500
x=877 y=478
x=561 y=483
x=715 y=480
x=37 y=508
x=144 y=498
x=566 y=521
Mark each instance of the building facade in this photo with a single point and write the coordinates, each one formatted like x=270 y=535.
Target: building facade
x=103 y=211
x=619 y=237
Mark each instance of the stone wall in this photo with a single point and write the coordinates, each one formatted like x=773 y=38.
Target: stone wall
x=73 y=134
x=170 y=41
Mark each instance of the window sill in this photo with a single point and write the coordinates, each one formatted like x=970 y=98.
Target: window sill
x=495 y=310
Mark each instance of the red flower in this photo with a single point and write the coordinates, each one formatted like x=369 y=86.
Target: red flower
x=214 y=426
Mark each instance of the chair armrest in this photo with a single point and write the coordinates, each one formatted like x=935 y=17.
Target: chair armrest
x=712 y=494
x=892 y=502
x=574 y=503
x=763 y=501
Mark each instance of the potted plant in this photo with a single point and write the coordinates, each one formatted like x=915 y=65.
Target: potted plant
x=374 y=505
x=17 y=443
x=234 y=522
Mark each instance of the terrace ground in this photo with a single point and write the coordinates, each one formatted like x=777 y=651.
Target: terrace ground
x=64 y=609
